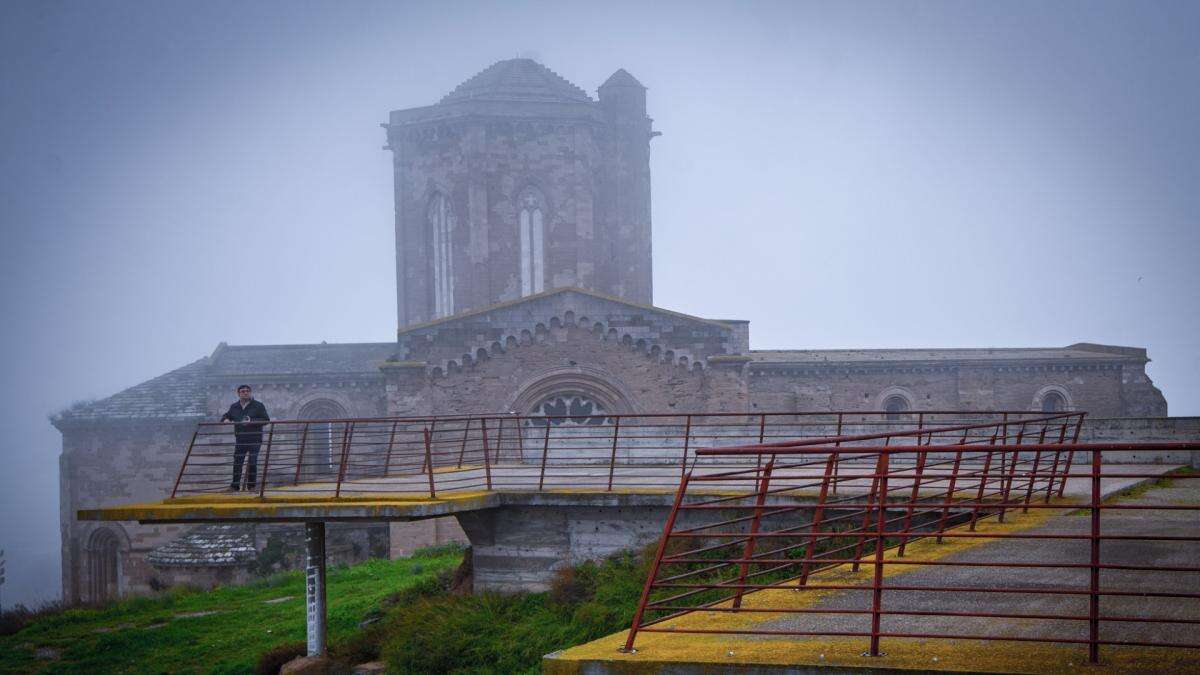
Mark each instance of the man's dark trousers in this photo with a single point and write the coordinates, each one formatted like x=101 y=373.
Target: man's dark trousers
x=247 y=444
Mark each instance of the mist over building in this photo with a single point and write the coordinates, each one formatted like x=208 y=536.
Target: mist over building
x=524 y=283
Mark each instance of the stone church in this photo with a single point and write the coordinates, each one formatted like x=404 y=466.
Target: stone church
x=524 y=283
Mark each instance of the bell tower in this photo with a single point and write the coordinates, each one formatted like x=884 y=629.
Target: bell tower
x=518 y=182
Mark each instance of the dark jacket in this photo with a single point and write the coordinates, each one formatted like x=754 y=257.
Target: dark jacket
x=245 y=430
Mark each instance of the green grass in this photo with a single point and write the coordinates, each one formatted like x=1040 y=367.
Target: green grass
x=440 y=632
x=153 y=635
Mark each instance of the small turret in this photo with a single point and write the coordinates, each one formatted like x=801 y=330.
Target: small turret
x=622 y=95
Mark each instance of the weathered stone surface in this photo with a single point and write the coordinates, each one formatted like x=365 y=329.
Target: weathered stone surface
x=515 y=127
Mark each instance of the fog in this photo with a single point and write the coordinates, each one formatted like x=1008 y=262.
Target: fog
x=840 y=174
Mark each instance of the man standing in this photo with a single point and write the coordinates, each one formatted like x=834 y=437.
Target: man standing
x=248 y=417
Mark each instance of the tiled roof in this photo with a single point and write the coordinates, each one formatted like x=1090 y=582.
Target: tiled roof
x=517 y=80
x=820 y=356
x=178 y=393
x=363 y=357
x=208 y=545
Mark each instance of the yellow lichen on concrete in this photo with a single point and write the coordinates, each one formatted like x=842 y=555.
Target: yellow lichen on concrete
x=669 y=651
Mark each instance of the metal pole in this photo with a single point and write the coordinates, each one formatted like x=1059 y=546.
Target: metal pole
x=466 y=433
x=183 y=466
x=1094 y=597
x=300 y=454
x=347 y=438
x=687 y=437
x=387 y=462
x=487 y=461
x=545 y=451
x=654 y=567
x=262 y=480
x=877 y=581
x=748 y=551
x=314 y=539
x=612 y=461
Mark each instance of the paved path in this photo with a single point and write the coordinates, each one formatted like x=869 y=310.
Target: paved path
x=687 y=653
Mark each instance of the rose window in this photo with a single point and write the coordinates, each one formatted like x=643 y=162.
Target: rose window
x=568 y=409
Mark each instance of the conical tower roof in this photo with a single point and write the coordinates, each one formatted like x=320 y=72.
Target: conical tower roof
x=517 y=80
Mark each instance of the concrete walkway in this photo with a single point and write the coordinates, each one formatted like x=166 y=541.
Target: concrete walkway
x=688 y=653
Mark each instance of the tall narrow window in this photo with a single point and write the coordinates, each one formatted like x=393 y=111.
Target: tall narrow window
x=533 y=268
x=441 y=231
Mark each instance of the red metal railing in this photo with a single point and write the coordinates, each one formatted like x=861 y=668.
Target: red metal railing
x=431 y=456
x=1112 y=578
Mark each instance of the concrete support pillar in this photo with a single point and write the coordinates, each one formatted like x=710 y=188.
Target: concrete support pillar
x=314 y=539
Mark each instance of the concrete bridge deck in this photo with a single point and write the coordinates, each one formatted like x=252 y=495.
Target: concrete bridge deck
x=742 y=653
x=406 y=497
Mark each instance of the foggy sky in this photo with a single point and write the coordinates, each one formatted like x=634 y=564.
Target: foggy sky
x=841 y=174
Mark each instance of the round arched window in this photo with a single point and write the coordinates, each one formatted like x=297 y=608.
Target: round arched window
x=1053 y=402
x=894 y=407
x=568 y=409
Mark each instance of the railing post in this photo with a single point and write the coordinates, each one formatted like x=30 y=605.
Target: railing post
x=387 y=462
x=983 y=479
x=1006 y=482
x=687 y=438
x=466 y=434
x=752 y=539
x=520 y=438
x=862 y=540
x=428 y=451
x=347 y=437
x=262 y=480
x=762 y=429
x=1071 y=454
x=1062 y=436
x=1037 y=459
x=429 y=460
x=877 y=581
x=950 y=487
x=836 y=459
x=186 y=457
x=912 y=500
x=1094 y=569
x=655 y=566
x=545 y=451
x=500 y=441
x=612 y=460
x=818 y=516
x=487 y=460
x=300 y=453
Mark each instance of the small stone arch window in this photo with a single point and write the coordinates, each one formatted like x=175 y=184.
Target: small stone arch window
x=441 y=254
x=895 y=407
x=531 y=230
x=1053 y=402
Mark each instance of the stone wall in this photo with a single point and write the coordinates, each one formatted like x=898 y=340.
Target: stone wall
x=107 y=464
x=588 y=161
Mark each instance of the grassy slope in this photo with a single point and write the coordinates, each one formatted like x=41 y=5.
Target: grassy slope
x=153 y=635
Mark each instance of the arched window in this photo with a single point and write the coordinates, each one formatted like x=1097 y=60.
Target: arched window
x=532 y=232
x=441 y=254
x=322 y=442
x=895 y=406
x=571 y=409
x=1053 y=402
x=104 y=565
